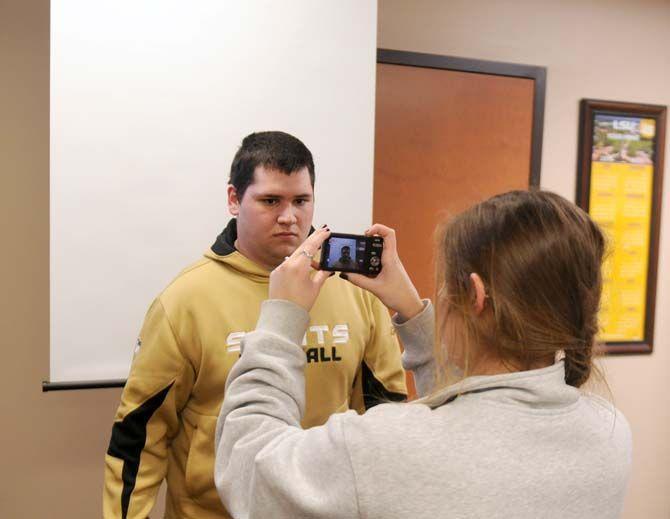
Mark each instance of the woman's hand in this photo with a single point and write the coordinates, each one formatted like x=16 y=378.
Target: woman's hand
x=392 y=286
x=295 y=279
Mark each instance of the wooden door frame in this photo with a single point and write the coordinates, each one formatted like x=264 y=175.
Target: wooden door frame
x=536 y=73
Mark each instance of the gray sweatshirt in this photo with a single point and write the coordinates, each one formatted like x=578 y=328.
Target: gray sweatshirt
x=518 y=445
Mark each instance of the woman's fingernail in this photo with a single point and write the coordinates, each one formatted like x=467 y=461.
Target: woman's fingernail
x=343 y=275
x=331 y=274
x=324 y=226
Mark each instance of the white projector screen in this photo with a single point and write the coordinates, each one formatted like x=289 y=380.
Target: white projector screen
x=149 y=102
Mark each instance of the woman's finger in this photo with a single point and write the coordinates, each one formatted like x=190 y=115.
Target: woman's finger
x=380 y=229
x=320 y=278
x=385 y=232
x=313 y=243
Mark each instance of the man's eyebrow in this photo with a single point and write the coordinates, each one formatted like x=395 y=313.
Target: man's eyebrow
x=274 y=195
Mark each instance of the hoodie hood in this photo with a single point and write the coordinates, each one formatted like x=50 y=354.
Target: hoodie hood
x=223 y=250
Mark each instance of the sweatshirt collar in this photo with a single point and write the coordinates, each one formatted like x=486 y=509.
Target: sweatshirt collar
x=539 y=388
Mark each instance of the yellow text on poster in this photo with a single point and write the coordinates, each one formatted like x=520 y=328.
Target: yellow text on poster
x=620 y=202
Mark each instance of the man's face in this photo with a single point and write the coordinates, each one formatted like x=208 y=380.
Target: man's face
x=274 y=215
x=346 y=252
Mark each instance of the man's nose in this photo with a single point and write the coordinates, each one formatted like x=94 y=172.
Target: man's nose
x=287 y=215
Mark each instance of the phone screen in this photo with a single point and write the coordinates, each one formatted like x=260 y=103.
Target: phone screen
x=352 y=253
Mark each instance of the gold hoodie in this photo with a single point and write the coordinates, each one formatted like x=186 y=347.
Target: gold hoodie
x=164 y=426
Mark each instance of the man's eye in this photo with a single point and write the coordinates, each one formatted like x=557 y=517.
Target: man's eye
x=301 y=201
x=270 y=201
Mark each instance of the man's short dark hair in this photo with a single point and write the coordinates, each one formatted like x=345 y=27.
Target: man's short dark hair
x=273 y=150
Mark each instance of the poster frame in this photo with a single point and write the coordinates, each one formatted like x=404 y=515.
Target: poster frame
x=589 y=108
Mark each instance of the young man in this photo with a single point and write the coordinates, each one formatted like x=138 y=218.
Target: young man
x=191 y=337
x=344 y=260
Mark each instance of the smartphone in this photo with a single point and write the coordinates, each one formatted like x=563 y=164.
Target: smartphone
x=352 y=253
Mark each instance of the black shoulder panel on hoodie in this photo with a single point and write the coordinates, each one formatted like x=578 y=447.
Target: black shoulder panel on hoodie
x=127 y=442
x=374 y=391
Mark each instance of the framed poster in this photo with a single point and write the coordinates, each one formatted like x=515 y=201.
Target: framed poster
x=619 y=183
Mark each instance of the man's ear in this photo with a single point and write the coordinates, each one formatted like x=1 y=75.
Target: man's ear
x=233 y=201
x=479 y=291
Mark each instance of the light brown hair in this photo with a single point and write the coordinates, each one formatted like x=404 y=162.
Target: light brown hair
x=539 y=257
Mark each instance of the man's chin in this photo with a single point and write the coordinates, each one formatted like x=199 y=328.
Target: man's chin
x=289 y=249
x=281 y=252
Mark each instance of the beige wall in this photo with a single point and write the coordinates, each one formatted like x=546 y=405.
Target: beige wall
x=600 y=49
x=53 y=443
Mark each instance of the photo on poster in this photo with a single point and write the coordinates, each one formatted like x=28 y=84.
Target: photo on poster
x=623 y=139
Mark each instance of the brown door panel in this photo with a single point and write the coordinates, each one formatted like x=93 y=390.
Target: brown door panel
x=444 y=140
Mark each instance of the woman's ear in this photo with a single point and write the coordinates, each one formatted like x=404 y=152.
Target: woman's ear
x=479 y=292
